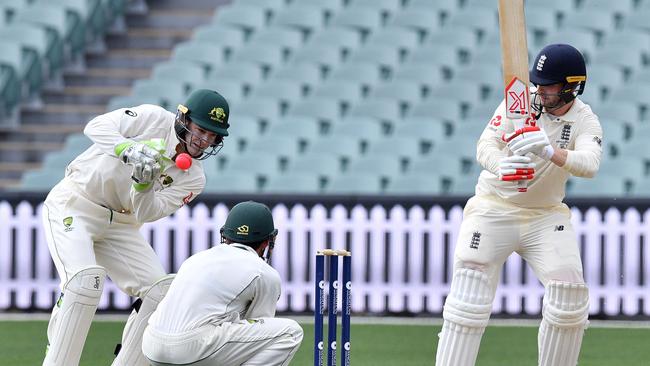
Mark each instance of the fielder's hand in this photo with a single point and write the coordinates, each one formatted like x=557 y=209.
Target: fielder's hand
x=535 y=142
x=516 y=168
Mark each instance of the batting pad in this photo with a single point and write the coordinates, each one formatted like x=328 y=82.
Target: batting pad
x=72 y=316
x=466 y=314
x=130 y=353
x=565 y=313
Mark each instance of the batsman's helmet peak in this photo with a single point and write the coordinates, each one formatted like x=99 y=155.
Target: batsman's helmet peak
x=249 y=222
x=559 y=63
x=208 y=109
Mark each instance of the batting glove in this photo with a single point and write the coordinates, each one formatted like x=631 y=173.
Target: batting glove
x=515 y=168
x=535 y=142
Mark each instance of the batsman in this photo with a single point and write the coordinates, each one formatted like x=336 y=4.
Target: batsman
x=130 y=175
x=562 y=139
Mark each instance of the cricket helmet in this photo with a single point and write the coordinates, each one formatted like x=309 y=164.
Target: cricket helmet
x=207 y=109
x=560 y=63
x=248 y=223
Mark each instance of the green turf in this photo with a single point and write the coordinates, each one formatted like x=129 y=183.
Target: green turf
x=23 y=343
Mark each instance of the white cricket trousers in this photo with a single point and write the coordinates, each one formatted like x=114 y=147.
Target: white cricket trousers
x=493 y=229
x=259 y=342
x=81 y=233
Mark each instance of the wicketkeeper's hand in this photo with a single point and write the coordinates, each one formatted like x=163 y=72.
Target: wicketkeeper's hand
x=535 y=142
x=145 y=157
x=515 y=168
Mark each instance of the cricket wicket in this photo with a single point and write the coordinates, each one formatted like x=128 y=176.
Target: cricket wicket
x=319 y=308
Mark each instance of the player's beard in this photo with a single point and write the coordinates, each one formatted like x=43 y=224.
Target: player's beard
x=552 y=103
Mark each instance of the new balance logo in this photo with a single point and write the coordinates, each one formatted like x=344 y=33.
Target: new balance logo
x=476 y=239
x=559 y=228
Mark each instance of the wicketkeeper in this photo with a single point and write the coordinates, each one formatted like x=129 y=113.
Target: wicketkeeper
x=221 y=305
x=93 y=216
x=564 y=140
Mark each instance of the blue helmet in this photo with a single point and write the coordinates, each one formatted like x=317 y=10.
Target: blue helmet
x=560 y=63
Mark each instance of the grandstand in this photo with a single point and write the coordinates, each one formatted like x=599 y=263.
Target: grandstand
x=336 y=97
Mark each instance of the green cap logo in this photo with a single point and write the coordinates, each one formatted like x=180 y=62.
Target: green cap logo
x=217 y=114
x=242 y=230
x=67 y=221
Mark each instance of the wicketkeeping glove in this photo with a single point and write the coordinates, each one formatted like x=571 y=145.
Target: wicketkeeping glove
x=515 y=168
x=146 y=157
x=535 y=142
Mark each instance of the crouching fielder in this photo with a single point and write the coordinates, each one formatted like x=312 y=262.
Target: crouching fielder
x=565 y=140
x=220 y=307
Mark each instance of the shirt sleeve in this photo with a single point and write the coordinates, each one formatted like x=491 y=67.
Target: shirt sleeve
x=150 y=205
x=267 y=294
x=490 y=146
x=584 y=160
x=112 y=128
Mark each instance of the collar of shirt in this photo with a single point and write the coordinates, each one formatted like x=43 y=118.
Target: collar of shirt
x=570 y=116
x=244 y=247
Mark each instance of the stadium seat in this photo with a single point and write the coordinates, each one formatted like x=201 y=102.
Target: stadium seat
x=26 y=65
x=243 y=131
x=384 y=56
x=271 y=7
x=385 y=109
x=229 y=37
x=386 y=6
x=621 y=110
x=638 y=19
x=447 y=58
x=404 y=39
x=294 y=183
x=562 y=6
x=597 y=20
x=424 y=20
x=126 y=101
x=465 y=40
x=415 y=184
x=287 y=91
x=167 y=93
x=636 y=92
x=402 y=147
x=48 y=47
x=263 y=108
x=327 y=7
x=41 y=180
x=540 y=22
x=344 y=38
x=287 y=38
x=300 y=128
x=250 y=18
x=305 y=17
x=264 y=166
x=601 y=186
x=208 y=55
x=384 y=166
x=463 y=185
x=363 y=19
x=354 y=183
x=367 y=73
x=443 y=108
x=248 y=72
x=326 y=57
x=425 y=130
x=230 y=182
x=611 y=55
x=325 y=166
x=343 y=147
x=346 y=92
x=326 y=110
x=233 y=90
x=480 y=19
x=424 y=74
x=306 y=73
x=268 y=55
x=365 y=130
x=405 y=91
x=186 y=72
x=444 y=7
x=283 y=147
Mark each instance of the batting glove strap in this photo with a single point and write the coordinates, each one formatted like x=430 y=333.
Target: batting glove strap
x=533 y=142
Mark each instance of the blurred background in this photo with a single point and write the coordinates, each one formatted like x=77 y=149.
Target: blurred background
x=355 y=120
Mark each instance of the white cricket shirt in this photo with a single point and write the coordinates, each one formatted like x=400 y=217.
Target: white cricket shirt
x=103 y=178
x=578 y=131
x=225 y=283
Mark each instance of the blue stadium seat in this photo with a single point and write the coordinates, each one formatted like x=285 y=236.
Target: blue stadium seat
x=294 y=183
x=385 y=109
x=186 y=72
x=355 y=183
x=363 y=19
x=233 y=90
x=415 y=184
x=229 y=37
x=365 y=130
x=168 y=93
x=308 y=18
x=386 y=57
x=406 y=92
x=287 y=91
x=421 y=19
x=424 y=74
x=326 y=110
x=404 y=39
x=344 y=38
x=209 y=55
x=326 y=57
x=262 y=108
x=230 y=182
x=268 y=55
x=248 y=72
x=306 y=73
x=346 y=92
x=325 y=166
x=287 y=38
x=250 y=18
x=367 y=73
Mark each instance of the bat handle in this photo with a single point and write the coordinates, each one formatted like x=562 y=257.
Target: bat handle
x=522 y=185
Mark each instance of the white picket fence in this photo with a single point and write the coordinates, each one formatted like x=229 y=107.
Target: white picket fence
x=401 y=257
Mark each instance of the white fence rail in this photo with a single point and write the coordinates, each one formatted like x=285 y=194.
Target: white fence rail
x=401 y=257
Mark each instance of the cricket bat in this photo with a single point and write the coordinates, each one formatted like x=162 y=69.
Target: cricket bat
x=514 y=55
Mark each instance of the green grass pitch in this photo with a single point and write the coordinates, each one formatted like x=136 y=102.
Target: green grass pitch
x=22 y=343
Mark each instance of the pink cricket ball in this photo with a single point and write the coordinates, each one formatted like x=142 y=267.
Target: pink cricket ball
x=183 y=161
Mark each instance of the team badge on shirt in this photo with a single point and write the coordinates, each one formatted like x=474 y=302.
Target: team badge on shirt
x=67 y=223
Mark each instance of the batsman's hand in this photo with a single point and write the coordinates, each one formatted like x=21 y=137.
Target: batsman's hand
x=535 y=142
x=516 y=168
